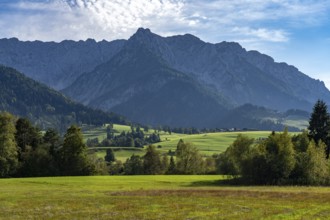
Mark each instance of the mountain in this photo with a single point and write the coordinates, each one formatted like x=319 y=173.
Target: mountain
x=134 y=83
x=240 y=76
x=175 y=81
x=56 y=64
x=141 y=86
x=25 y=97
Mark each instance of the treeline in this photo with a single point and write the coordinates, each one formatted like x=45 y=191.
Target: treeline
x=135 y=138
x=280 y=158
x=26 y=152
x=185 y=160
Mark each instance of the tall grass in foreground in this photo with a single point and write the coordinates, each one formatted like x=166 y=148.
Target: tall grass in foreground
x=156 y=197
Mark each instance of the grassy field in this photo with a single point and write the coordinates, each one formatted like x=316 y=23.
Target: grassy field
x=208 y=143
x=156 y=197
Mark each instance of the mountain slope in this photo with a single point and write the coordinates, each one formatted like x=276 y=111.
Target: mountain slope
x=240 y=76
x=183 y=81
x=27 y=98
x=138 y=84
x=56 y=64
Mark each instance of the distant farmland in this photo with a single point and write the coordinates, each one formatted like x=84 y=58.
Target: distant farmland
x=207 y=143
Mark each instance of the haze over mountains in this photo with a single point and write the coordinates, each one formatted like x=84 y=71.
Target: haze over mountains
x=176 y=81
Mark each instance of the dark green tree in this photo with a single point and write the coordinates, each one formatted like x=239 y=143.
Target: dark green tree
x=301 y=142
x=151 y=161
x=133 y=165
x=53 y=140
x=319 y=125
x=273 y=160
x=27 y=135
x=164 y=164
x=8 y=147
x=73 y=154
x=233 y=158
x=116 y=168
x=37 y=162
x=171 y=167
x=110 y=156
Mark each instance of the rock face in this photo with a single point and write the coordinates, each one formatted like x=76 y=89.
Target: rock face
x=177 y=81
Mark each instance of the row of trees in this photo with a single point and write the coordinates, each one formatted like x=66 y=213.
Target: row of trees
x=26 y=151
x=135 y=138
x=280 y=158
x=187 y=160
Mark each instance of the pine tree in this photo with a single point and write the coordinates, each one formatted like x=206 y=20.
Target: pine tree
x=8 y=146
x=319 y=125
x=171 y=167
x=110 y=156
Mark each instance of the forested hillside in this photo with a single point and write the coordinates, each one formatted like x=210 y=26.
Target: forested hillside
x=46 y=107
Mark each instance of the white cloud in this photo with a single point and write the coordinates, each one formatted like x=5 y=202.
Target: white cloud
x=263 y=34
x=80 y=19
x=213 y=20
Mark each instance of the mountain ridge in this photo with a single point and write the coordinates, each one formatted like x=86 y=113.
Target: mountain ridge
x=132 y=73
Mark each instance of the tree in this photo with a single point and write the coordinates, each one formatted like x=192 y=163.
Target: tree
x=27 y=135
x=133 y=165
x=311 y=166
x=275 y=159
x=73 y=154
x=301 y=142
x=171 y=167
x=151 y=161
x=233 y=158
x=116 y=168
x=164 y=164
x=36 y=162
x=8 y=146
x=110 y=156
x=189 y=160
x=319 y=125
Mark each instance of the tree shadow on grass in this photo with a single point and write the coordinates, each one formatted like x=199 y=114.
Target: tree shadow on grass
x=221 y=182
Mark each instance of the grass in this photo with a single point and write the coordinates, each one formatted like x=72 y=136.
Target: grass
x=208 y=143
x=121 y=153
x=156 y=197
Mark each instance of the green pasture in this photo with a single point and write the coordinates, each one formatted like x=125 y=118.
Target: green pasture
x=121 y=153
x=156 y=197
x=208 y=143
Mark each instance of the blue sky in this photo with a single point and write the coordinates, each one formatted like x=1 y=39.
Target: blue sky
x=293 y=31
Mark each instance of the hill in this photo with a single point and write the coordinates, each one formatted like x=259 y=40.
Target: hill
x=25 y=97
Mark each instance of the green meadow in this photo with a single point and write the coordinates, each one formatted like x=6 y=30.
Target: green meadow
x=207 y=143
x=156 y=197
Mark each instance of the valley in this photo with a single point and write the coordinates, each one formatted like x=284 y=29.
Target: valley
x=164 y=109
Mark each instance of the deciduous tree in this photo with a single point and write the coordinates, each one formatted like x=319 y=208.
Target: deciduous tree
x=8 y=147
